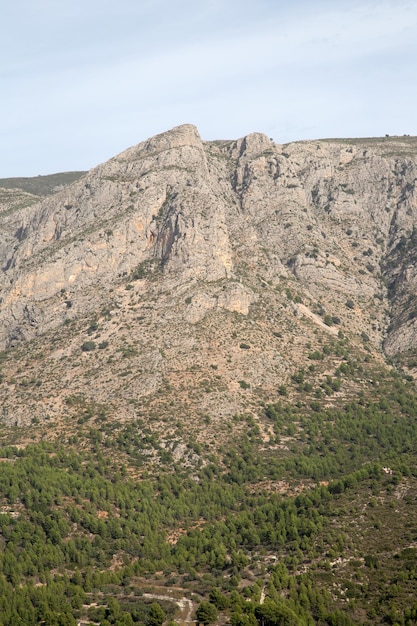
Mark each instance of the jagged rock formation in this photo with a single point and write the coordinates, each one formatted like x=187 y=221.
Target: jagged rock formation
x=215 y=244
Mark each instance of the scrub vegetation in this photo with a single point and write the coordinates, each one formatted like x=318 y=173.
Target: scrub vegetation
x=317 y=525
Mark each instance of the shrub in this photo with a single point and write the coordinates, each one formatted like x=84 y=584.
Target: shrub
x=316 y=356
x=298 y=377
x=139 y=273
x=93 y=327
x=88 y=346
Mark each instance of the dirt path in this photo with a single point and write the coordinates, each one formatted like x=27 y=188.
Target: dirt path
x=186 y=606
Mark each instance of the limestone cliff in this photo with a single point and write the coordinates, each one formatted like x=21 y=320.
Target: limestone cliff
x=192 y=238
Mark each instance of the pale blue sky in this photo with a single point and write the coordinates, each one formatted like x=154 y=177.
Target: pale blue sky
x=83 y=80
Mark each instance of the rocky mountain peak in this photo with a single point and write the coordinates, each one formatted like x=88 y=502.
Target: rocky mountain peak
x=178 y=137
x=253 y=145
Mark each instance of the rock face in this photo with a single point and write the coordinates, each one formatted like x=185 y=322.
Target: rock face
x=140 y=206
x=203 y=235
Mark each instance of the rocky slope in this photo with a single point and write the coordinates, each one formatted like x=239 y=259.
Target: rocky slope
x=206 y=272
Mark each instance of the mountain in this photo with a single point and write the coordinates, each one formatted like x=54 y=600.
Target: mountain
x=207 y=384
x=210 y=270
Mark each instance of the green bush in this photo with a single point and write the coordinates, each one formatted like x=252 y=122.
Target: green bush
x=88 y=346
x=316 y=356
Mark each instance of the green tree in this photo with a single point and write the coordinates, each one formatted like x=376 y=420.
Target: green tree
x=277 y=614
x=206 y=613
x=156 y=615
x=219 y=600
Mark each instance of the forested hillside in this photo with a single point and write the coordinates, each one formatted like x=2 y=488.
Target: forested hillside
x=207 y=386
x=315 y=526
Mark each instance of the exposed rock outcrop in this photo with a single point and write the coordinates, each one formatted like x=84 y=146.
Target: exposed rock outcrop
x=200 y=236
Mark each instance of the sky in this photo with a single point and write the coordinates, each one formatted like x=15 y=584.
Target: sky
x=82 y=80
